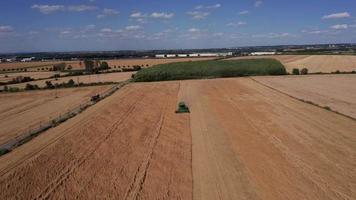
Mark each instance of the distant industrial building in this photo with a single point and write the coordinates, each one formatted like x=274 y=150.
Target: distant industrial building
x=27 y=59
x=194 y=55
x=262 y=53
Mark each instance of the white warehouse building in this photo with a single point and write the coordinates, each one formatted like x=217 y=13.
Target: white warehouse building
x=262 y=53
x=194 y=55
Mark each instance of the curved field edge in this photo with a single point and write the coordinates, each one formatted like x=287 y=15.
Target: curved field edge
x=211 y=69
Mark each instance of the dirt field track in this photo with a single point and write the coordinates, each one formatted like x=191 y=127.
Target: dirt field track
x=242 y=140
x=22 y=111
x=95 y=78
x=314 y=63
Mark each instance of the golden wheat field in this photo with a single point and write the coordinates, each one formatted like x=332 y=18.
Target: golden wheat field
x=241 y=140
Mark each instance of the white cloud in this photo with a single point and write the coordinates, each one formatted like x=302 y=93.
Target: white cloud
x=162 y=15
x=214 y=6
x=66 y=32
x=81 y=8
x=273 y=35
x=137 y=15
x=133 y=28
x=202 y=11
x=6 y=29
x=107 y=12
x=199 y=7
x=339 y=26
x=33 y=32
x=240 y=23
x=193 y=30
x=258 y=3
x=198 y=15
x=337 y=15
x=244 y=12
x=160 y=35
x=106 y=30
x=218 y=34
x=100 y=16
x=142 y=18
x=316 y=32
x=91 y=26
x=47 y=9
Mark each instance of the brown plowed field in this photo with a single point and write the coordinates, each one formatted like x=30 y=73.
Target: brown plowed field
x=314 y=63
x=95 y=78
x=247 y=142
x=337 y=91
x=23 y=111
x=129 y=146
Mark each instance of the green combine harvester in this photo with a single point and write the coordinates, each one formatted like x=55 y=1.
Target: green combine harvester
x=182 y=108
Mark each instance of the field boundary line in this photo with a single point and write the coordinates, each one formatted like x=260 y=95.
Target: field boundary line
x=302 y=100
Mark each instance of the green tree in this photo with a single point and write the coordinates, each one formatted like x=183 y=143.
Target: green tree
x=49 y=85
x=304 y=71
x=59 y=67
x=295 y=71
x=89 y=65
x=97 y=64
x=71 y=83
x=104 y=65
x=136 y=68
x=31 y=87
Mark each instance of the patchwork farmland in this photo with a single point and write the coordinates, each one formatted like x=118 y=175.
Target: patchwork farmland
x=244 y=138
x=116 y=64
x=177 y=100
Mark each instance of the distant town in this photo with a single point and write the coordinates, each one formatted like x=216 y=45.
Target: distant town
x=317 y=49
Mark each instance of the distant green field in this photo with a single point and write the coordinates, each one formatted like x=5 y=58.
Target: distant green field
x=210 y=69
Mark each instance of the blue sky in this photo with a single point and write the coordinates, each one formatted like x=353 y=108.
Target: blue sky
x=63 y=25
